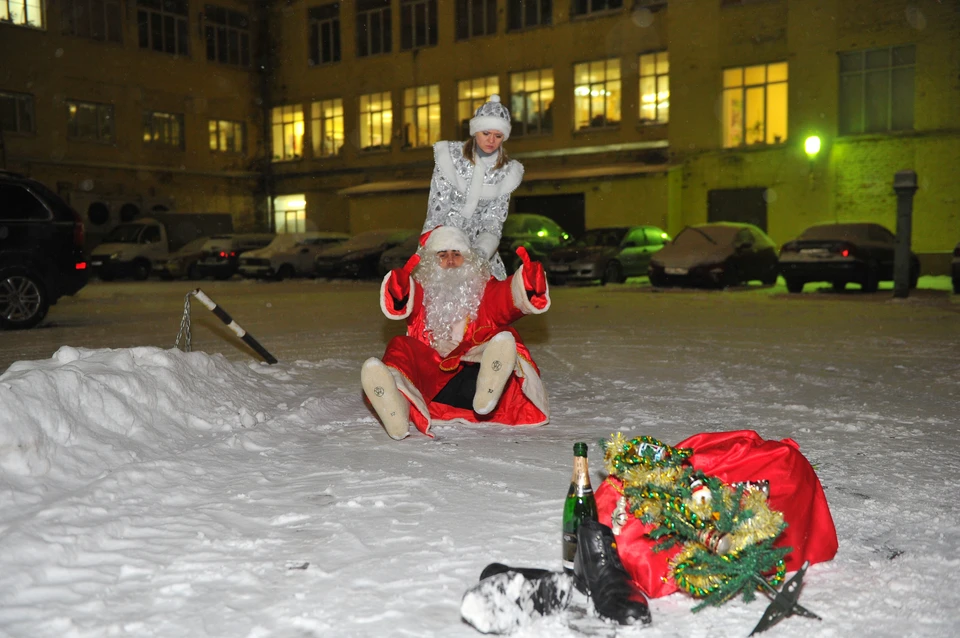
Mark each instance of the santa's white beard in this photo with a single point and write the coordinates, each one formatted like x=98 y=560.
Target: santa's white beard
x=450 y=297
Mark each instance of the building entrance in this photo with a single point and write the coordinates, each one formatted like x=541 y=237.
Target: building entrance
x=745 y=205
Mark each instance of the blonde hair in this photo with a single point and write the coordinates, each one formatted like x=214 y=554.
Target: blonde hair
x=470 y=148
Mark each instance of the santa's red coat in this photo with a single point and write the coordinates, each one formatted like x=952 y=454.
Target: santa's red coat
x=734 y=457
x=421 y=372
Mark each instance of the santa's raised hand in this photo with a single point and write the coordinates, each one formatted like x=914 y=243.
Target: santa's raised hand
x=534 y=279
x=399 y=284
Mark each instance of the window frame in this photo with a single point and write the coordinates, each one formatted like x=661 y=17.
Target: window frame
x=168 y=118
x=367 y=117
x=21 y=102
x=862 y=73
x=105 y=115
x=318 y=17
x=607 y=124
x=212 y=29
x=285 y=126
x=147 y=10
x=468 y=105
x=542 y=8
x=409 y=29
x=415 y=111
x=381 y=9
x=744 y=87
x=25 y=16
x=70 y=17
x=589 y=11
x=486 y=10
x=214 y=126
x=657 y=77
x=318 y=121
x=519 y=128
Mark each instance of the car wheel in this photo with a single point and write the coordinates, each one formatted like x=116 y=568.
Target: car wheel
x=193 y=272
x=286 y=272
x=731 y=277
x=956 y=286
x=871 y=279
x=23 y=299
x=770 y=279
x=612 y=274
x=914 y=278
x=839 y=286
x=794 y=285
x=657 y=279
x=141 y=269
x=105 y=277
x=165 y=276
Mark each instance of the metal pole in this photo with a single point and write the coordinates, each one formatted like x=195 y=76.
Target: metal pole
x=905 y=185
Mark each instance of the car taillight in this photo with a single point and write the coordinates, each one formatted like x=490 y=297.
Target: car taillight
x=81 y=265
x=233 y=254
x=844 y=250
x=790 y=247
x=223 y=253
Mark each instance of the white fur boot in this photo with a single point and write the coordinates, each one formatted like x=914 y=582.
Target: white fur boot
x=391 y=406
x=496 y=365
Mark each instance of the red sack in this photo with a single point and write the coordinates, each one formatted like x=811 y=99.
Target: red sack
x=734 y=457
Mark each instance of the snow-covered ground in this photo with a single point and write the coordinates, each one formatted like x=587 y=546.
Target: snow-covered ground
x=154 y=493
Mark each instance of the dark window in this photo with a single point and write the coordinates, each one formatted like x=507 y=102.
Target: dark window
x=128 y=212
x=877 y=90
x=151 y=235
x=227 y=33
x=163 y=129
x=98 y=213
x=94 y=19
x=475 y=18
x=523 y=14
x=586 y=7
x=16 y=112
x=324 y=33
x=91 y=122
x=373 y=27
x=17 y=203
x=418 y=24
x=163 y=26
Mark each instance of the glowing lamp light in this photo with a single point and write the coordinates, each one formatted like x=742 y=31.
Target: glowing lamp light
x=812 y=145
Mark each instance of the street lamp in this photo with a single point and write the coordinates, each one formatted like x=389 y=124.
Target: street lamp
x=812 y=146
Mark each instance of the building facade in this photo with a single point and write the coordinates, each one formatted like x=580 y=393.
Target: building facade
x=667 y=112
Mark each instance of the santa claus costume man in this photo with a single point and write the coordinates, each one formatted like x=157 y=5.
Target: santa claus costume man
x=460 y=360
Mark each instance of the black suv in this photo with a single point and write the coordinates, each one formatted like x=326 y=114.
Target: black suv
x=41 y=251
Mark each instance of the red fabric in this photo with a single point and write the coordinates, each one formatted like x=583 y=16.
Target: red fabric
x=398 y=284
x=534 y=278
x=734 y=457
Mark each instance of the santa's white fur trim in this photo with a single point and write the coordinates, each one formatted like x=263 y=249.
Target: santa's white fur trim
x=490 y=123
x=447 y=238
x=391 y=313
x=519 y=293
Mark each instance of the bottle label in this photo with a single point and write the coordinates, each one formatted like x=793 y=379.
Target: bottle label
x=569 y=550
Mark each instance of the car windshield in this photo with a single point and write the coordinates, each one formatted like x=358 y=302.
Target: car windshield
x=847 y=232
x=124 y=234
x=602 y=237
x=700 y=235
x=195 y=246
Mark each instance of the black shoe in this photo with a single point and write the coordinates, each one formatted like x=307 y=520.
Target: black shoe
x=598 y=570
x=507 y=598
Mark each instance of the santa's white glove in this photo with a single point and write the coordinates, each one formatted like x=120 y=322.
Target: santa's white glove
x=486 y=244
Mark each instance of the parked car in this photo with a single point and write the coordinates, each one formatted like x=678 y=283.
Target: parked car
x=41 y=251
x=359 y=256
x=955 y=270
x=398 y=256
x=221 y=253
x=288 y=255
x=719 y=254
x=609 y=254
x=182 y=263
x=538 y=234
x=861 y=253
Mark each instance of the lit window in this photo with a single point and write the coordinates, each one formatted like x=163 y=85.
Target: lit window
x=877 y=90
x=373 y=27
x=755 y=105
x=421 y=115
x=596 y=94
x=23 y=13
x=90 y=122
x=523 y=14
x=163 y=129
x=531 y=102
x=94 y=19
x=654 y=88
x=287 y=131
x=476 y=18
x=418 y=24
x=16 y=112
x=290 y=214
x=326 y=127
x=471 y=94
x=226 y=136
x=586 y=7
x=228 y=35
x=376 y=120
x=164 y=26
x=324 y=33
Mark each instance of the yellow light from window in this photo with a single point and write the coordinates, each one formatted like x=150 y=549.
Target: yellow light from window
x=812 y=145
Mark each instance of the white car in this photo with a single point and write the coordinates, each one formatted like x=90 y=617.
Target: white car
x=289 y=255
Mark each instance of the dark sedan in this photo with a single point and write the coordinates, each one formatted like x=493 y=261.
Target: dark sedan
x=955 y=270
x=359 y=256
x=719 y=254
x=609 y=254
x=860 y=253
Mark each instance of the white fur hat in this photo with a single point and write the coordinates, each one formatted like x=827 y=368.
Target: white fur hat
x=491 y=116
x=445 y=238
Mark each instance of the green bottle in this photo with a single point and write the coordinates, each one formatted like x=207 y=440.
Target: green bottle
x=579 y=506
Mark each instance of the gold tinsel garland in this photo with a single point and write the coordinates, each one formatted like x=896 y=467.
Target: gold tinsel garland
x=724 y=531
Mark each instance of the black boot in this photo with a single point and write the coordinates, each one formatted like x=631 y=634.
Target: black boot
x=507 y=598
x=598 y=570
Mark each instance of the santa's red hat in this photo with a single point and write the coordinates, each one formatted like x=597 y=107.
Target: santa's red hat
x=445 y=238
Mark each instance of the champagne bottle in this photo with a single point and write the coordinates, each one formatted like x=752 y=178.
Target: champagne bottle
x=579 y=506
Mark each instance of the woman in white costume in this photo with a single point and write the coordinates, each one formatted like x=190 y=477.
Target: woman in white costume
x=472 y=182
